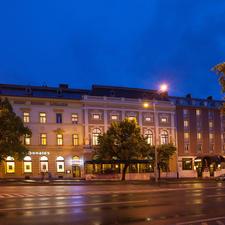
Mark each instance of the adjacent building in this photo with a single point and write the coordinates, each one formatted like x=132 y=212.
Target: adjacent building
x=66 y=123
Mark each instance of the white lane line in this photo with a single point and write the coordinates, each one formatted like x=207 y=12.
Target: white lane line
x=219 y=222
x=73 y=205
x=200 y=221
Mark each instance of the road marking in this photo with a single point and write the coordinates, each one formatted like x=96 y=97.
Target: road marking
x=201 y=221
x=73 y=205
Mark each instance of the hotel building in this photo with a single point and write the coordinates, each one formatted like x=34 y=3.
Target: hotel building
x=66 y=123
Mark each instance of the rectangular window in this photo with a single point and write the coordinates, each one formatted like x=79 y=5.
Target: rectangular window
x=186 y=135
x=186 y=147
x=74 y=118
x=42 y=117
x=211 y=147
x=26 y=117
x=199 y=136
x=187 y=163
x=27 y=167
x=198 y=112
x=27 y=139
x=96 y=116
x=43 y=140
x=58 y=117
x=186 y=123
x=199 y=147
x=164 y=119
x=75 y=139
x=59 y=139
x=131 y=118
x=10 y=167
x=185 y=112
x=60 y=167
x=210 y=124
x=211 y=136
x=148 y=119
x=114 y=117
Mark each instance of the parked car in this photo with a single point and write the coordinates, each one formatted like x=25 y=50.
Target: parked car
x=221 y=177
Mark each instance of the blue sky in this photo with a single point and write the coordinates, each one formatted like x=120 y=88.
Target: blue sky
x=121 y=42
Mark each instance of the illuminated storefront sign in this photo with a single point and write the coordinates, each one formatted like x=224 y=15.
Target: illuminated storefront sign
x=39 y=153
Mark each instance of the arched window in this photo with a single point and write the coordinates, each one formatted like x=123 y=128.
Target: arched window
x=60 y=164
x=95 y=134
x=10 y=165
x=149 y=136
x=27 y=164
x=164 y=137
x=44 y=164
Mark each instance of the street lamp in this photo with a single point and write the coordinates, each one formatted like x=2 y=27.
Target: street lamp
x=162 y=89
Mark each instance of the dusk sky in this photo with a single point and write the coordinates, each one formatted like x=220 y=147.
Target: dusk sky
x=134 y=43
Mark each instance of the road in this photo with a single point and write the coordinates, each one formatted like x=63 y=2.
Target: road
x=197 y=203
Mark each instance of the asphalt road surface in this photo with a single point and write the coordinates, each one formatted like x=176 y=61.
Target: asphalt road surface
x=198 y=203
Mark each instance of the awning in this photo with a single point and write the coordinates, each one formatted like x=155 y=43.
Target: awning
x=207 y=160
x=117 y=161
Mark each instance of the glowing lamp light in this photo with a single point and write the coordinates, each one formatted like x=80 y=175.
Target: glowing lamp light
x=146 y=105
x=163 y=88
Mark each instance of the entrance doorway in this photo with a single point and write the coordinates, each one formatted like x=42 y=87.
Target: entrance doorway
x=76 y=171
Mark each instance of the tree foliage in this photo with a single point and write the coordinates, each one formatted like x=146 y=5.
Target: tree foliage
x=12 y=131
x=123 y=141
x=219 y=69
x=164 y=154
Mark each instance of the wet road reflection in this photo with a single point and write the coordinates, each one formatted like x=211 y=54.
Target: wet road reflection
x=148 y=206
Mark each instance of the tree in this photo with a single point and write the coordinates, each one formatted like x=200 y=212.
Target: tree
x=219 y=69
x=123 y=141
x=164 y=154
x=12 y=131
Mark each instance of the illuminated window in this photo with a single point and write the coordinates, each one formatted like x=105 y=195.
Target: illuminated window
x=42 y=117
x=43 y=139
x=164 y=119
x=131 y=118
x=149 y=136
x=60 y=164
x=44 y=164
x=186 y=135
x=27 y=139
x=186 y=123
x=148 y=119
x=187 y=163
x=27 y=164
x=211 y=136
x=74 y=118
x=164 y=137
x=96 y=116
x=114 y=117
x=210 y=124
x=198 y=112
x=95 y=134
x=59 y=138
x=199 y=136
x=75 y=138
x=26 y=117
x=10 y=165
x=58 y=117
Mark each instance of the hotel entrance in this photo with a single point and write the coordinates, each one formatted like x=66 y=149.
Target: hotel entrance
x=76 y=170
